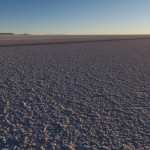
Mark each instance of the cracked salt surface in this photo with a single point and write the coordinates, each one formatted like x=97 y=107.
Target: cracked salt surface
x=76 y=96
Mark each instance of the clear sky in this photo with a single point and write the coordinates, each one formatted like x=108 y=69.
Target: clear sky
x=75 y=16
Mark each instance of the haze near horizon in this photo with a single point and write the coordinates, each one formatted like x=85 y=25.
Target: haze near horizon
x=75 y=17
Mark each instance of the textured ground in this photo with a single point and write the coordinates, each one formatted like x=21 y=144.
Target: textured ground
x=82 y=96
x=40 y=39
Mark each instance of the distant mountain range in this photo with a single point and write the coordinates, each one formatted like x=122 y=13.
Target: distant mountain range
x=7 y=34
x=13 y=34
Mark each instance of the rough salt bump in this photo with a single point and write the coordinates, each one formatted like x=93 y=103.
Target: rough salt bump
x=91 y=95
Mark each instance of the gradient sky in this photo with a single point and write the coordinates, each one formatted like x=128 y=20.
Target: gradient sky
x=75 y=16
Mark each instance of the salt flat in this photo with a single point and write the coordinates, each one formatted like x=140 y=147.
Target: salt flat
x=22 y=40
x=92 y=95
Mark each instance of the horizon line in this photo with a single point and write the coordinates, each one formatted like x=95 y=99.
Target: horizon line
x=11 y=33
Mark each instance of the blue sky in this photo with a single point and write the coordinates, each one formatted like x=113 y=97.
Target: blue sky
x=75 y=16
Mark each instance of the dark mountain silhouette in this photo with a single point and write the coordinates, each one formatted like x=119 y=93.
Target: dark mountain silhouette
x=7 y=34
